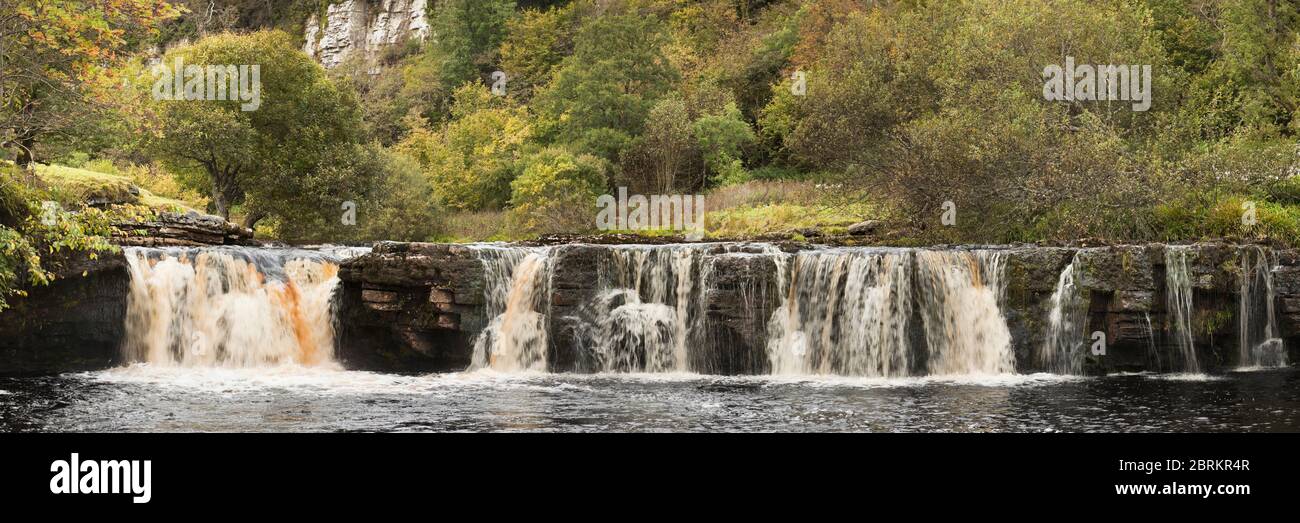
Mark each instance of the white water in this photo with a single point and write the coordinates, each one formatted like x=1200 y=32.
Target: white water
x=230 y=307
x=1062 y=351
x=852 y=311
x=649 y=310
x=961 y=292
x=515 y=283
x=1178 y=285
x=844 y=312
x=1258 y=340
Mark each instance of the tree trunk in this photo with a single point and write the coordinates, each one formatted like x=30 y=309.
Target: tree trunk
x=252 y=218
x=25 y=145
x=224 y=190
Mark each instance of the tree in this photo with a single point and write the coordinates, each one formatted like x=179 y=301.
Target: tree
x=665 y=157
x=599 y=98
x=264 y=155
x=373 y=193
x=56 y=58
x=466 y=35
x=722 y=138
x=557 y=192
x=471 y=160
x=535 y=44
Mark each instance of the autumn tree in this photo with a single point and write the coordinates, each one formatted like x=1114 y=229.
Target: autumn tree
x=57 y=58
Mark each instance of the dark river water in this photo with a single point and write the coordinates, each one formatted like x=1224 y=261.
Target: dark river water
x=300 y=400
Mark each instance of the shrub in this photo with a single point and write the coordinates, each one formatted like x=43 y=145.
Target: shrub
x=556 y=192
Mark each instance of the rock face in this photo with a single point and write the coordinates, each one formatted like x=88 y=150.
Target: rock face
x=420 y=306
x=170 y=229
x=74 y=324
x=410 y=307
x=363 y=26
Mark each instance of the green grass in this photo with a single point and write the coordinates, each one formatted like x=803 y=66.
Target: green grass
x=81 y=185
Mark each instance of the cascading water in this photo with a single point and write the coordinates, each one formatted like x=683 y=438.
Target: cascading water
x=1062 y=351
x=850 y=311
x=515 y=283
x=961 y=293
x=1178 y=283
x=648 y=311
x=844 y=312
x=230 y=307
x=1257 y=321
x=883 y=312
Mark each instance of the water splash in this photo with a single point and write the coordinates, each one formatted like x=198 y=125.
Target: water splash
x=650 y=310
x=1178 y=284
x=845 y=312
x=961 y=292
x=1062 y=350
x=1258 y=338
x=515 y=285
x=230 y=307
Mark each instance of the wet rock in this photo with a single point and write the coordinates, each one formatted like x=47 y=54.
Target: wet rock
x=74 y=324
x=410 y=307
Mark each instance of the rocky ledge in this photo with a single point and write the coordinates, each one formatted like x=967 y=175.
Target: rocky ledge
x=419 y=307
x=169 y=229
x=74 y=324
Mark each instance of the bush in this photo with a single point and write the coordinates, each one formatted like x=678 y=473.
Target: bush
x=556 y=192
x=29 y=231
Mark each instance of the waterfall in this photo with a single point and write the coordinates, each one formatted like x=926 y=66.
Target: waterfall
x=230 y=307
x=514 y=285
x=648 y=311
x=844 y=312
x=1178 y=283
x=1062 y=350
x=1258 y=341
x=850 y=311
x=1152 y=353
x=879 y=312
x=961 y=292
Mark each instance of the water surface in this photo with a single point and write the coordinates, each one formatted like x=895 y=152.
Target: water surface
x=296 y=399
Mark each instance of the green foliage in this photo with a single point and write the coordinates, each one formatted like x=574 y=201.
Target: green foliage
x=386 y=194
x=665 y=158
x=557 y=192
x=466 y=36
x=723 y=138
x=470 y=162
x=535 y=44
x=36 y=233
x=275 y=160
x=601 y=95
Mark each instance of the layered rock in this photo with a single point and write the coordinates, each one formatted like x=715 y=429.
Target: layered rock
x=169 y=229
x=74 y=324
x=410 y=307
x=364 y=27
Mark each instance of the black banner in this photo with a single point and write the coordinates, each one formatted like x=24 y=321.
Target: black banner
x=741 y=473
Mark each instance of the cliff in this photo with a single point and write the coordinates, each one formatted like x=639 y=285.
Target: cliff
x=365 y=27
